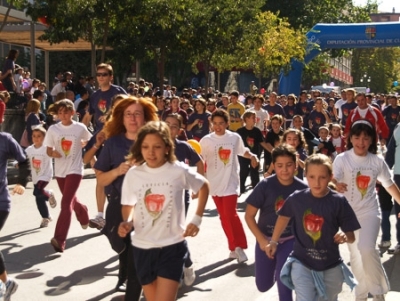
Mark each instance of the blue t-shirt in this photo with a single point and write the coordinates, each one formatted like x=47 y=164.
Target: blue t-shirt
x=100 y=103
x=9 y=148
x=318 y=119
x=274 y=110
x=203 y=127
x=315 y=223
x=391 y=114
x=185 y=153
x=113 y=153
x=252 y=139
x=346 y=109
x=268 y=196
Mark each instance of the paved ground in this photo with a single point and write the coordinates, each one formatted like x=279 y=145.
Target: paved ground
x=87 y=270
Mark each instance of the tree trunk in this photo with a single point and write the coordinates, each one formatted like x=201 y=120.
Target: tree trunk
x=105 y=36
x=161 y=68
x=6 y=15
x=206 y=65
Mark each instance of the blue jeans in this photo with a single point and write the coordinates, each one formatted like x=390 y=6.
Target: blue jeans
x=304 y=283
x=41 y=197
x=397 y=210
x=268 y=270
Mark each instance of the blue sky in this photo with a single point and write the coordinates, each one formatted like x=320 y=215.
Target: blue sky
x=383 y=5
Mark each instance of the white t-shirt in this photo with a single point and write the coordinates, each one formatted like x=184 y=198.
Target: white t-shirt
x=338 y=106
x=220 y=154
x=67 y=140
x=158 y=197
x=261 y=116
x=360 y=175
x=41 y=165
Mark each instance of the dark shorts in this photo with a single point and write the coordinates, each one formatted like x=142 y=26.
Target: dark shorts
x=166 y=262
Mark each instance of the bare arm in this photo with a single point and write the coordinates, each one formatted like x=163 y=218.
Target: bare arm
x=250 y=218
x=105 y=178
x=280 y=225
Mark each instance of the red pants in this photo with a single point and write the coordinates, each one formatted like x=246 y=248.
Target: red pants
x=226 y=206
x=68 y=186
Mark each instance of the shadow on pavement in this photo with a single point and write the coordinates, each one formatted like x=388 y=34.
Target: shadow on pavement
x=392 y=268
x=214 y=271
x=61 y=285
x=28 y=257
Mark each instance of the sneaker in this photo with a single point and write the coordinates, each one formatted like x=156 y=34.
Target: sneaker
x=97 y=222
x=396 y=250
x=189 y=276
x=241 y=255
x=11 y=288
x=45 y=222
x=385 y=244
x=121 y=287
x=378 y=298
x=52 y=199
x=56 y=245
x=233 y=255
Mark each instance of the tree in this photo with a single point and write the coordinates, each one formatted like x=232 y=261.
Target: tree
x=11 y=3
x=268 y=44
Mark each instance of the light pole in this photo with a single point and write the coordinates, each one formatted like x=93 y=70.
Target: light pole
x=363 y=78
x=369 y=81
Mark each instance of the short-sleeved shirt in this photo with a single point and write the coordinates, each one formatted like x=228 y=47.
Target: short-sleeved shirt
x=67 y=140
x=252 y=139
x=100 y=103
x=273 y=139
x=274 y=110
x=114 y=153
x=157 y=194
x=41 y=164
x=346 y=108
x=268 y=196
x=318 y=119
x=315 y=223
x=203 y=127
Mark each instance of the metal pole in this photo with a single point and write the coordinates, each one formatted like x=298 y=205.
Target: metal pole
x=46 y=68
x=33 y=56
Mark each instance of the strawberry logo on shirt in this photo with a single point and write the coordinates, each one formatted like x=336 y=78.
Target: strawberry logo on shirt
x=250 y=142
x=36 y=164
x=312 y=224
x=346 y=112
x=362 y=182
x=200 y=124
x=394 y=116
x=318 y=120
x=66 y=146
x=279 y=203
x=154 y=204
x=224 y=155
x=102 y=105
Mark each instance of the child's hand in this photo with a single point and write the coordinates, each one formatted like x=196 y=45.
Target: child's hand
x=56 y=154
x=270 y=250
x=191 y=230
x=195 y=196
x=124 y=228
x=123 y=168
x=254 y=161
x=100 y=138
x=18 y=189
x=341 y=187
x=340 y=238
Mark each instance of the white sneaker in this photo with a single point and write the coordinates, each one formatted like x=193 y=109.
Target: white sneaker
x=97 y=222
x=378 y=298
x=52 y=199
x=233 y=255
x=385 y=244
x=241 y=255
x=189 y=275
x=45 y=222
x=396 y=250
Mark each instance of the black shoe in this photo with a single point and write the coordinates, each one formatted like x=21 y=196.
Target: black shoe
x=121 y=287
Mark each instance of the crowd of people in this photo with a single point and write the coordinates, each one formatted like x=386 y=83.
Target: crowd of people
x=323 y=183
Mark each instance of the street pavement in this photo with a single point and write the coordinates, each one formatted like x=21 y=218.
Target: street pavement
x=87 y=270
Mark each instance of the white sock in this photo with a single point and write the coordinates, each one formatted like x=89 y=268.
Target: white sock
x=100 y=214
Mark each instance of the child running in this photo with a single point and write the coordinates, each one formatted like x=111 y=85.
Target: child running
x=220 y=151
x=42 y=172
x=355 y=174
x=315 y=269
x=64 y=143
x=337 y=138
x=153 y=194
x=268 y=197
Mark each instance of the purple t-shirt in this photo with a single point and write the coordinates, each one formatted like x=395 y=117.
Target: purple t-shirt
x=113 y=153
x=100 y=103
x=9 y=149
x=269 y=196
x=203 y=127
x=315 y=223
x=346 y=109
